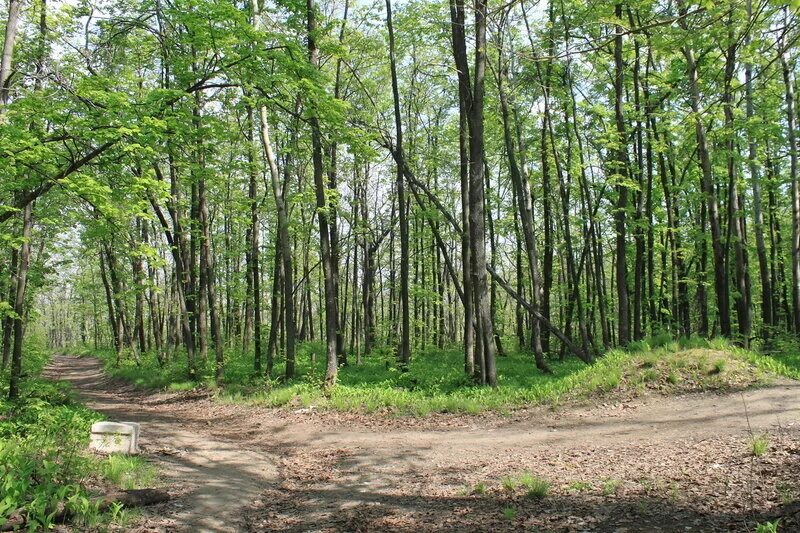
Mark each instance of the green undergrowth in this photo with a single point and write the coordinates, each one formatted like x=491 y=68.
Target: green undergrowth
x=46 y=471
x=434 y=382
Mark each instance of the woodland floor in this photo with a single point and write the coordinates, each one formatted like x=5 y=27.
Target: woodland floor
x=657 y=463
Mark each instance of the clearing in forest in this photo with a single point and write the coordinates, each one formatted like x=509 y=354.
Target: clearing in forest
x=703 y=462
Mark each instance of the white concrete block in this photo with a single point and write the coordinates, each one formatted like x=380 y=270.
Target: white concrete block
x=137 y=428
x=115 y=437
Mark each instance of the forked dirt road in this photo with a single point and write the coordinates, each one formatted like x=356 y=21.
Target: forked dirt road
x=658 y=464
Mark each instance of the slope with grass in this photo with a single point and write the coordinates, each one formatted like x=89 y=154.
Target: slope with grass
x=434 y=382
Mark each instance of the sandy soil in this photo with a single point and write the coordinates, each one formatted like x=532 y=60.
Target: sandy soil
x=654 y=464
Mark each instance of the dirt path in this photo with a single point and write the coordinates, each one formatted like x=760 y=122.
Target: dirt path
x=213 y=477
x=244 y=468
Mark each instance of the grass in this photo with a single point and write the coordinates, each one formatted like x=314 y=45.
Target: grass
x=719 y=366
x=534 y=487
x=610 y=486
x=128 y=472
x=435 y=382
x=786 y=493
x=768 y=527
x=479 y=488
x=580 y=486
x=759 y=444
x=508 y=483
x=509 y=513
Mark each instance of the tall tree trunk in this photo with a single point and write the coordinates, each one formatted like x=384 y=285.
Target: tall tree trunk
x=8 y=50
x=458 y=28
x=488 y=372
x=211 y=293
x=767 y=314
x=8 y=321
x=19 y=302
x=328 y=268
x=620 y=168
x=404 y=348
x=275 y=309
x=793 y=178
x=332 y=187
x=736 y=216
x=253 y=255
x=138 y=278
x=710 y=195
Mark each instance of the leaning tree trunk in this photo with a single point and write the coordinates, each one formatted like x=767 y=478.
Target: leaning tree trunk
x=284 y=245
x=519 y=179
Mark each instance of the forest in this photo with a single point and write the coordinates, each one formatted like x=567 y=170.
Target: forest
x=420 y=207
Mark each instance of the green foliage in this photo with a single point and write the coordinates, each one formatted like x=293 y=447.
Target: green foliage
x=128 y=472
x=781 y=355
x=610 y=486
x=759 y=444
x=42 y=460
x=768 y=527
x=509 y=513
x=44 y=465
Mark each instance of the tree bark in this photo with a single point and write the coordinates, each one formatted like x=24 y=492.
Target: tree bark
x=620 y=168
x=19 y=302
x=328 y=269
x=284 y=245
x=404 y=347
x=8 y=50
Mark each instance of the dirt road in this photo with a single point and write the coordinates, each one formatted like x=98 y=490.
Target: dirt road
x=661 y=464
